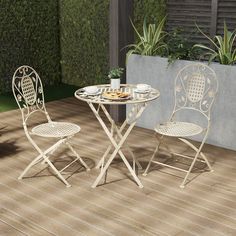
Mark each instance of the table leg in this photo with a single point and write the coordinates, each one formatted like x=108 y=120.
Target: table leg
x=101 y=162
x=119 y=133
x=118 y=146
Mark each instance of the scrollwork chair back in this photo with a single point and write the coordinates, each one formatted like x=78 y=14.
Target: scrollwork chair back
x=28 y=92
x=195 y=88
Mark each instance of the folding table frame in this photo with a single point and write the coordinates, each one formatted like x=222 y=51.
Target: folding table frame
x=118 y=135
x=119 y=140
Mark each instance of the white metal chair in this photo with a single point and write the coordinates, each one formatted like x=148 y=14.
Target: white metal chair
x=195 y=88
x=28 y=92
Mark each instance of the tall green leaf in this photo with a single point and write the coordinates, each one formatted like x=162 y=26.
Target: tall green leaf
x=224 y=47
x=150 y=41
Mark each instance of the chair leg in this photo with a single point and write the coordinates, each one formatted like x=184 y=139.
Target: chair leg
x=42 y=155
x=196 y=149
x=193 y=162
x=48 y=153
x=207 y=162
x=154 y=154
x=149 y=164
x=32 y=163
x=57 y=172
x=78 y=156
x=189 y=171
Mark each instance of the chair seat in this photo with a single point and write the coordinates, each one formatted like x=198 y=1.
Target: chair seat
x=56 y=129
x=179 y=129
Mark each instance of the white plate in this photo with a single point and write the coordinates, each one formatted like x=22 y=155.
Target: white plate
x=92 y=94
x=142 y=91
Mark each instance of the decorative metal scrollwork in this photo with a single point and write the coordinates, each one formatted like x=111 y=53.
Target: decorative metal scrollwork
x=195 y=88
x=28 y=90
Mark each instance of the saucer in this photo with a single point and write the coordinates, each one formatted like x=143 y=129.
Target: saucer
x=142 y=91
x=92 y=94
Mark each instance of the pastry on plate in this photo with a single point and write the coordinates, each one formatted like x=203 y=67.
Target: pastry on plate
x=116 y=95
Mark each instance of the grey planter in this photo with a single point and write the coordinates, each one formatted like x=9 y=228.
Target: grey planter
x=156 y=72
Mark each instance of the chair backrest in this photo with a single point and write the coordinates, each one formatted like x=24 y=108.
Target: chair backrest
x=28 y=92
x=195 y=88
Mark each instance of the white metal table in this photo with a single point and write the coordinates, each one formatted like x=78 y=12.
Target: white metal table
x=118 y=135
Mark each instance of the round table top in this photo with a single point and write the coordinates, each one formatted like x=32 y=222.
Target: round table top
x=135 y=96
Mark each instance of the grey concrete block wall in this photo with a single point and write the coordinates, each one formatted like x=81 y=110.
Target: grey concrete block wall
x=156 y=72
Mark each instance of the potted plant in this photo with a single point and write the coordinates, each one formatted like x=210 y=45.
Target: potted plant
x=114 y=76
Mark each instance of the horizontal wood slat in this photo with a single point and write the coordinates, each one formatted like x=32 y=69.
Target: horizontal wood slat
x=226 y=13
x=190 y=2
x=186 y=14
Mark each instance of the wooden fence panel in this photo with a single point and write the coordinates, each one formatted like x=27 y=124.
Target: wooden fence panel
x=209 y=15
x=227 y=13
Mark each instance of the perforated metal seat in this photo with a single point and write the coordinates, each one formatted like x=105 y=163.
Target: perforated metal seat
x=28 y=92
x=56 y=129
x=179 y=129
x=195 y=88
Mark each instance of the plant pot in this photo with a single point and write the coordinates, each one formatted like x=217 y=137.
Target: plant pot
x=115 y=83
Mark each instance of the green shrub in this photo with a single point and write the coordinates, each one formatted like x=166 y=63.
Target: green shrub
x=29 y=35
x=84 y=41
x=153 y=10
x=180 y=47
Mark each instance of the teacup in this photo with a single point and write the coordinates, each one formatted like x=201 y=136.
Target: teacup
x=143 y=87
x=91 y=89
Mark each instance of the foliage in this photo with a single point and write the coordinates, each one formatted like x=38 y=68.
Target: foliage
x=150 y=41
x=224 y=49
x=51 y=93
x=84 y=41
x=180 y=47
x=152 y=10
x=115 y=73
x=29 y=35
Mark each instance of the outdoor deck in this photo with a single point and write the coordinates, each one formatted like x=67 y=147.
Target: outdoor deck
x=42 y=206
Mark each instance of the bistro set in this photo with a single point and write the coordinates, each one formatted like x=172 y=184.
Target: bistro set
x=195 y=89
